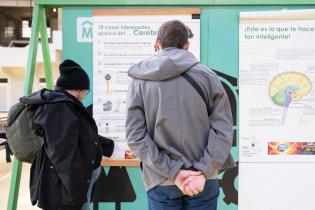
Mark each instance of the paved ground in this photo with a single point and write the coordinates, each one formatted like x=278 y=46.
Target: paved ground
x=24 y=202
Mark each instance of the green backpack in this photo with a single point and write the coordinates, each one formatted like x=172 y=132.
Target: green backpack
x=23 y=136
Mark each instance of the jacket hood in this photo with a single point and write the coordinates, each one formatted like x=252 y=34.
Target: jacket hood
x=46 y=96
x=168 y=64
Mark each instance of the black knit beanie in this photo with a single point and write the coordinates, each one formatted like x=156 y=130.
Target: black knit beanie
x=72 y=76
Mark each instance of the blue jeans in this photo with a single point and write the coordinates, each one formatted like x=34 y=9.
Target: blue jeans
x=95 y=174
x=171 y=198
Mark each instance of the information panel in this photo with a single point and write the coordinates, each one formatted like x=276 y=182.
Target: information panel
x=277 y=97
x=122 y=38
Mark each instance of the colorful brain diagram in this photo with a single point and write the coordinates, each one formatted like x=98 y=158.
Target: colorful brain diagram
x=289 y=87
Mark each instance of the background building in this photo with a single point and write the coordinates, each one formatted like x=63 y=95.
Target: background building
x=15 y=31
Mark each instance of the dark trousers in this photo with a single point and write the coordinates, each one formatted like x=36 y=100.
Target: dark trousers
x=171 y=198
x=8 y=151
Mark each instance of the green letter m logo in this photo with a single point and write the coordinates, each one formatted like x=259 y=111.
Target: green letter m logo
x=87 y=30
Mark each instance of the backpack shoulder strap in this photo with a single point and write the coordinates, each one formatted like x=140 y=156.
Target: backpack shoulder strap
x=14 y=112
x=197 y=88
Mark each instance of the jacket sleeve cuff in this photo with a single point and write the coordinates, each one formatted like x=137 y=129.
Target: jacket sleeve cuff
x=107 y=145
x=175 y=170
x=201 y=167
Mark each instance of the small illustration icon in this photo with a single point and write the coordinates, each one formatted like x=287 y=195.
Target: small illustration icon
x=282 y=147
x=107 y=78
x=107 y=106
x=291 y=148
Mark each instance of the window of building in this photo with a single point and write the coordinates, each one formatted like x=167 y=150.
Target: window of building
x=26 y=29
x=42 y=83
x=9 y=29
x=8 y=32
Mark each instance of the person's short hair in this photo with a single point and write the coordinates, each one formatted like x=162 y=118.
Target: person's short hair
x=173 y=34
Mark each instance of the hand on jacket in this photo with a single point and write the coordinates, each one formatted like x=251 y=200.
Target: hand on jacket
x=181 y=177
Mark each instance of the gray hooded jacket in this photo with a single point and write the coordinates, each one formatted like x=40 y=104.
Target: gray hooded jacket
x=167 y=124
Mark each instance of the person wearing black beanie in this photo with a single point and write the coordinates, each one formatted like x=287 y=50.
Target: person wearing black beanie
x=69 y=163
x=73 y=79
x=72 y=76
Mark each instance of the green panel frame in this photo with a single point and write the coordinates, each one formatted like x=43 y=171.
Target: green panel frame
x=170 y=2
x=45 y=50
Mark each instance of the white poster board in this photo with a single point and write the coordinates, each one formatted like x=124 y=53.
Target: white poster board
x=121 y=39
x=277 y=110
x=276 y=77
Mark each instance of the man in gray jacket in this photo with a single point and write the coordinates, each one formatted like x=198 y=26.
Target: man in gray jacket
x=181 y=139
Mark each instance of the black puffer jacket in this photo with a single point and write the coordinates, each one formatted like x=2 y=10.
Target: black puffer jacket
x=60 y=173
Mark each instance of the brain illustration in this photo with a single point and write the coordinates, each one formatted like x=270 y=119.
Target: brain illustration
x=288 y=87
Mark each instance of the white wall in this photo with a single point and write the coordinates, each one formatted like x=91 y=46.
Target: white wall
x=16 y=78
x=13 y=64
x=280 y=186
x=4 y=98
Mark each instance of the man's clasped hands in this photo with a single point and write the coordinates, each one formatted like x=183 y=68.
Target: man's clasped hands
x=190 y=182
